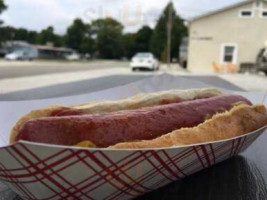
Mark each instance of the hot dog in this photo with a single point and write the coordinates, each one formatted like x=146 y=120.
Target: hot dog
x=111 y=128
x=72 y=125
x=135 y=102
x=241 y=119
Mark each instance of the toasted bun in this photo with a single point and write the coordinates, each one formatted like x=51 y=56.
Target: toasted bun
x=135 y=102
x=240 y=120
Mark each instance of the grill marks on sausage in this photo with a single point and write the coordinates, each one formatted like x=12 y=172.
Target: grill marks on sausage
x=74 y=111
x=129 y=125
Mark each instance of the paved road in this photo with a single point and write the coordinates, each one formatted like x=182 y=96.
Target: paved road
x=91 y=85
x=21 y=69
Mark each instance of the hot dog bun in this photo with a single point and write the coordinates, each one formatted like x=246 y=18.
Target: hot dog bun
x=240 y=120
x=164 y=119
x=135 y=102
x=111 y=128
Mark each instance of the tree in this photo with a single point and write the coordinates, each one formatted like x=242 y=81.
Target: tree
x=32 y=37
x=79 y=37
x=137 y=42
x=7 y=33
x=21 y=34
x=108 y=34
x=129 y=46
x=87 y=44
x=2 y=8
x=47 y=35
x=75 y=34
x=159 y=36
x=143 y=38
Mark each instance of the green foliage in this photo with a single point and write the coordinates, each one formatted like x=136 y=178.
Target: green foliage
x=79 y=37
x=159 y=36
x=32 y=37
x=20 y=34
x=23 y=34
x=2 y=8
x=128 y=43
x=75 y=34
x=137 y=42
x=7 y=33
x=87 y=45
x=142 y=39
x=48 y=36
x=108 y=34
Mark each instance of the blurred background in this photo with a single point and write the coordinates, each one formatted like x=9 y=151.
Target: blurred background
x=46 y=43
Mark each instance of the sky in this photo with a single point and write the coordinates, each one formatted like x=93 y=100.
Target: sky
x=133 y=14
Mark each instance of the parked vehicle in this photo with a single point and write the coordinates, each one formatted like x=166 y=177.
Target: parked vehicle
x=249 y=67
x=19 y=55
x=144 y=61
x=73 y=56
x=261 y=61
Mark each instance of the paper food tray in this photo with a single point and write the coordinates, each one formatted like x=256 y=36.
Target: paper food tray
x=47 y=172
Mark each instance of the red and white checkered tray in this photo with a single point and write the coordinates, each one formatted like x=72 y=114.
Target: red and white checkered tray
x=47 y=172
x=50 y=172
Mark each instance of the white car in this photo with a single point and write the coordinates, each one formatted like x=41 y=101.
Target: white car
x=19 y=55
x=73 y=56
x=144 y=61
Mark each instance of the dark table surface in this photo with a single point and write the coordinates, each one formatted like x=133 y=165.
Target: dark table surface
x=240 y=178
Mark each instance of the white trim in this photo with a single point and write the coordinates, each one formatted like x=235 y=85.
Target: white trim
x=246 y=17
x=234 y=55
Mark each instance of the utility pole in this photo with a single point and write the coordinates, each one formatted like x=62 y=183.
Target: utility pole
x=169 y=35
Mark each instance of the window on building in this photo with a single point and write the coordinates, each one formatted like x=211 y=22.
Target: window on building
x=246 y=13
x=264 y=13
x=229 y=54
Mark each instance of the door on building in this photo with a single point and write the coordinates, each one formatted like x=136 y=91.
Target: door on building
x=229 y=53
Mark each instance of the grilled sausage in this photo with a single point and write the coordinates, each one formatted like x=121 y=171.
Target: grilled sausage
x=129 y=125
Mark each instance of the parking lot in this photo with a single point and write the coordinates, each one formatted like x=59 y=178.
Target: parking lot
x=17 y=76
x=15 y=69
x=22 y=76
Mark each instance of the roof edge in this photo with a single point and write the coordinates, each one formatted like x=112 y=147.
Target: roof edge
x=221 y=10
